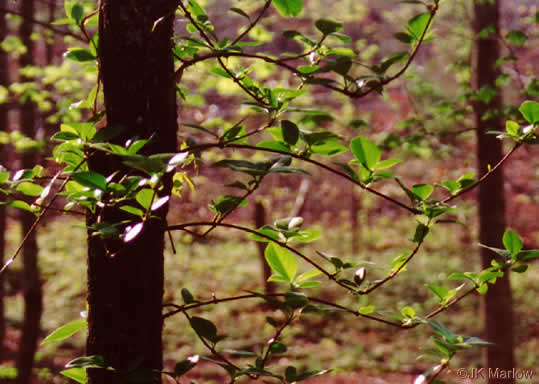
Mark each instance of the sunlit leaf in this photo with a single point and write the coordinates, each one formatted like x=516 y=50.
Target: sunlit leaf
x=66 y=331
x=288 y=7
x=281 y=261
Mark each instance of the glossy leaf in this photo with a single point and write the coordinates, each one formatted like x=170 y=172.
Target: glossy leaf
x=132 y=232
x=512 y=242
x=76 y=374
x=66 y=331
x=282 y=261
x=145 y=197
x=367 y=153
x=30 y=189
x=530 y=111
x=422 y=191
x=85 y=362
x=91 y=180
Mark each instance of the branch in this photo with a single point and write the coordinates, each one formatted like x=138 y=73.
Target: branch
x=484 y=177
x=202 y=147
x=329 y=275
x=253 y=23
x=44 y=25
x=38 y=220
x=187 y=307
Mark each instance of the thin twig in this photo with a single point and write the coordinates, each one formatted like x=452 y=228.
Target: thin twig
x=43 y=24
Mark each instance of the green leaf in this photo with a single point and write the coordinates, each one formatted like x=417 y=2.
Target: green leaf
x=145 y=197
x=187 y=296
x=388 y=163
x=30 y=189
x=288 y=7
x=305 y=235
x=266 y=231
x=403 y=37
x=422 y=191
x=408 y=312
x=520 y=268
x=530 y=111
x=91 y=180
x=182 y=367
x=77 y=374
x=176 y=160
x=19 y=204
x=516 y=37
x=66 y=331
x=528 y=255
x=205 y=328
x=308 y=69
x=159 y=203
x=367 y=153
x=329 y=148
x=328 y=26
x=418 y=24
x=281 y=261
x=131 y=232
x=77 y=12
x=4 y=176
x=269 y=144
x=420 y=232
x=512 y=242
x=367 y=309
x=290 y=132
x=439 y=291
x=132 y=210
x=95 y=361
x=80 y=55
x=308 y=275
x=296 y=299
x=226 y=204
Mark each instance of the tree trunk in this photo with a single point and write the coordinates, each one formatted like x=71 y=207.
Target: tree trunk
x=4 y=122
x=125 y=290
x=497 y=303
x=260 y=221
x=33 y=296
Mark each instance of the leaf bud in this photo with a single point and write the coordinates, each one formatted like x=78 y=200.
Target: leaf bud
x=359 y=276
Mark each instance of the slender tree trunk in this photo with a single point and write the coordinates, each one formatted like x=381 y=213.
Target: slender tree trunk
x=355 y=206
x=33 y=296
x=497 y=303
x=125 y=281
x=4 y=122
x=260 y=221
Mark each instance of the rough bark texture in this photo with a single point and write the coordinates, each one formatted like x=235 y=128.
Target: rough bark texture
x=4 y=122
x=125 y=281
x=497 y=303
x=33 y=295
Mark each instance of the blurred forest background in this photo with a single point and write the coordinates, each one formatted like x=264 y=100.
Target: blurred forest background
x=423 y=118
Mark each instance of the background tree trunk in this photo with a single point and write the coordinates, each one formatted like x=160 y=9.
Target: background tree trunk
x=33 y=295
x=260 y=221
x=497 y=303
x=125 y=290
x=4 y=122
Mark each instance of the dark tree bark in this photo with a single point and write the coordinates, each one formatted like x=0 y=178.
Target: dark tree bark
x=125 y=281
x=497 y=303
x=4 y=122
x=33 y=295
